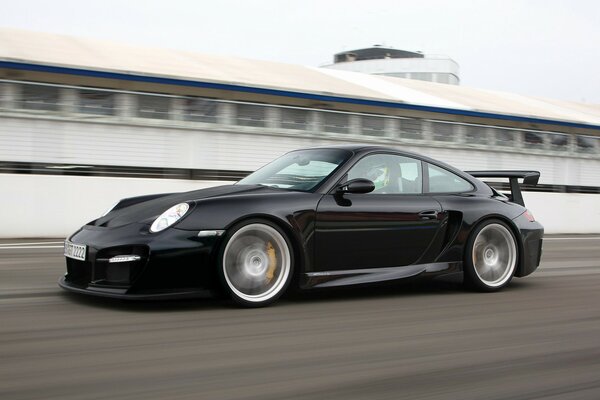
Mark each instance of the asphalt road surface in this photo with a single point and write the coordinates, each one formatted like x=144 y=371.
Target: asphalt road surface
x=538 y=339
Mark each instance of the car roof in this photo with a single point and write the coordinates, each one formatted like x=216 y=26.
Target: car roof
x=359 y=149
x=352 y=147
x=364 y=148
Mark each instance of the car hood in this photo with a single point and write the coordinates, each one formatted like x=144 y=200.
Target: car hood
x=145 y=211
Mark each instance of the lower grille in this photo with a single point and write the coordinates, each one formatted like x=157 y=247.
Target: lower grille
x=100 y=272
x=78 y=272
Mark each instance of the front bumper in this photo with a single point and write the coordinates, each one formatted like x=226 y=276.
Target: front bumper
x=170 y=264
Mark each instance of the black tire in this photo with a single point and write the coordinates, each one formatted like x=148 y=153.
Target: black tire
x=255 y=263
x=491 y=256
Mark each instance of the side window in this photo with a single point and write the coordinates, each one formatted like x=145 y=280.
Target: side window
x=391 y=174
x=442 y=181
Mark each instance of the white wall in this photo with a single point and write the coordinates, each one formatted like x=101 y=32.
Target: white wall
x=55 y=206
x=565 y=212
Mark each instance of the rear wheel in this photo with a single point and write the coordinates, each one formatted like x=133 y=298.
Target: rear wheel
x=491 y=256
x=256 y=263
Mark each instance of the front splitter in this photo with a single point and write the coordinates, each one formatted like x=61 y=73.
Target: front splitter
x=170 y=295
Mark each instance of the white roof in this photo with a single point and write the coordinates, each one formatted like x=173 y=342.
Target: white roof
x=72 y=52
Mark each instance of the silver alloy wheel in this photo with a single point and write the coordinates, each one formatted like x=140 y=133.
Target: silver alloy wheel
x=494 y=255
x=256 y=262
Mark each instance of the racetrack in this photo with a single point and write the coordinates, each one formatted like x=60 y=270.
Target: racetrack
x=538 y=339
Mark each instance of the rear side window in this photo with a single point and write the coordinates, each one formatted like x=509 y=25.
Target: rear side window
x=443 y=181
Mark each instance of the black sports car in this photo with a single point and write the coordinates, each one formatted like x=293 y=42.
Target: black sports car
x=316 y=218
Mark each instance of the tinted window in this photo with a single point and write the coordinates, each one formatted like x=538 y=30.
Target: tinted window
x=36 y=97
x=250 y=115
x=443 y=181
x=391 y=174
x=335 y=122
x=411 y=128
x=153 y=107
x=201 y=110
x=374 y=126
x=294 y=118
x=96 y=102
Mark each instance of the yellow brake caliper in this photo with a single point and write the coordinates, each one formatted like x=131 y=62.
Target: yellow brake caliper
x=272 y=262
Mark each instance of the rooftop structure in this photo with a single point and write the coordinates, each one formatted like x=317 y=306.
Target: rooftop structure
x=379 y=60
x=374 y=53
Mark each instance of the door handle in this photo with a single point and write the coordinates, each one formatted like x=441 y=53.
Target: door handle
x=429 y=214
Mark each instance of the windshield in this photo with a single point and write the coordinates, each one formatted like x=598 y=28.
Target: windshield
x=302 y=170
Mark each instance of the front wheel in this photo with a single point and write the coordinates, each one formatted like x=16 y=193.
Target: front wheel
x=491 y=256
x=256 y=263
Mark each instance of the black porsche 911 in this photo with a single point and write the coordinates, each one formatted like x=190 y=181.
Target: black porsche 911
x=321 y=217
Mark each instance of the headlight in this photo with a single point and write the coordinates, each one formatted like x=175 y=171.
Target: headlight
x=169 y=217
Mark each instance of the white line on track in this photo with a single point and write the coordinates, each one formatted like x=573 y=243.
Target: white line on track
x=29 y=244
x=30 y=247
x=573 y=238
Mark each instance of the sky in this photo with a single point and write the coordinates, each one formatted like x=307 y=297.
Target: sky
x=538 y=48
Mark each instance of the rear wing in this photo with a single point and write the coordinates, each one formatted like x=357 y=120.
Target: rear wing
x=529 y=178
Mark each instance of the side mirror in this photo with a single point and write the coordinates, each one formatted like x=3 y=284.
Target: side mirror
x=358 y=185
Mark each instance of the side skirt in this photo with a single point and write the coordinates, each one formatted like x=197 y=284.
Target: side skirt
x=372 y=275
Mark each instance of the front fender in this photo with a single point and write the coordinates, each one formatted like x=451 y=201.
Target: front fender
x=294 y=212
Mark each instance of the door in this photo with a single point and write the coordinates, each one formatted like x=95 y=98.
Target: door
x=390 y=227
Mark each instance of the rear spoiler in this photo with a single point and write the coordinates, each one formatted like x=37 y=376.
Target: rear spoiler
x=529 y=178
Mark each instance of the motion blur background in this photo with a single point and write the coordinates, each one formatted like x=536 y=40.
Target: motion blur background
x=114 y=100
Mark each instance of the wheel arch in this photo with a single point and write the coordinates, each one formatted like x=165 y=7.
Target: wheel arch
x=515 y=231
x=299 y=255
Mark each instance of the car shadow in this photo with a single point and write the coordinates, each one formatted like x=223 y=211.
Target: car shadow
x=399 y=289
x=411 y=288
x=407 y=288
